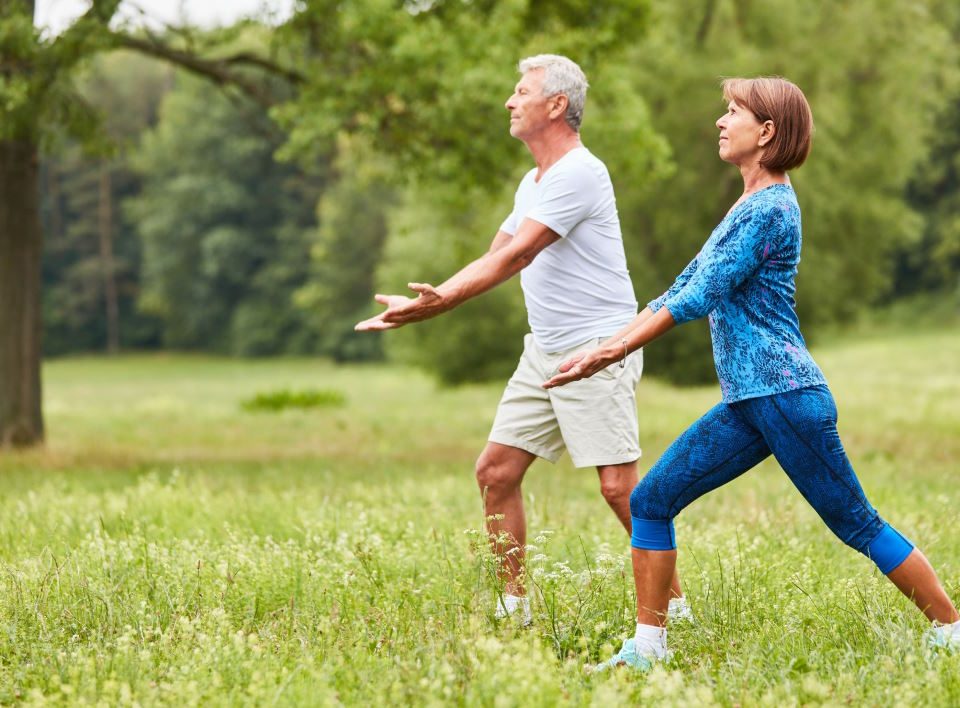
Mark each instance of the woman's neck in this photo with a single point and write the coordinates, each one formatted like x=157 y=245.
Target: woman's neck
x=756 y=177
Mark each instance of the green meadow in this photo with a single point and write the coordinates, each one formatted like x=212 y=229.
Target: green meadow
x=175 y=543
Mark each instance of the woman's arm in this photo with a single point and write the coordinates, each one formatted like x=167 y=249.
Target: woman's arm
x=704 y=284
x=649 y=311
x=645 y=327
x=731 y=260
x=678 y=285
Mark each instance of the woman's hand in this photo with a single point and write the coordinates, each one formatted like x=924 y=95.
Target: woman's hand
x=584 y=365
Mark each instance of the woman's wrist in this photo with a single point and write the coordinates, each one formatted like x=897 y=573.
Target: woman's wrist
x=612 y=353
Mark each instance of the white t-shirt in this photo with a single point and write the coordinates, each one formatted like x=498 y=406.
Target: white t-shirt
x=579 y=287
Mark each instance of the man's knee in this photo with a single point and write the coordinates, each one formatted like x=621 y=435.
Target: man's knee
x=616 y=489
x=617 y=481
x=497 y=475
x=613 y=490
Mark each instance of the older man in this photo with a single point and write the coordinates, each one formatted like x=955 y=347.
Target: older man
x=564 y=239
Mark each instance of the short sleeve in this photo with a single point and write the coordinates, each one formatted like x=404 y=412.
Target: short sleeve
x=568 y=196
x=509 y=224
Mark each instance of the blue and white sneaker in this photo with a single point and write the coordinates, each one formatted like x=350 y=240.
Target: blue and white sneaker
x=944 y=636
x=627 y=656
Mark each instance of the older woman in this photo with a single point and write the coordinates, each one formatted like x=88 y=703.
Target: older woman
x=775 y=398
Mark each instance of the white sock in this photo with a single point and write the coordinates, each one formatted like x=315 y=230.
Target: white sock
x=651 y=641
x=679 y=606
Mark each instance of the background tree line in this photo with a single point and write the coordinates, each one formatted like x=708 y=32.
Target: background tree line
x=198 y=220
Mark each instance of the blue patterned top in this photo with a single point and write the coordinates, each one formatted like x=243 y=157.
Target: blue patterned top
x=743 y=279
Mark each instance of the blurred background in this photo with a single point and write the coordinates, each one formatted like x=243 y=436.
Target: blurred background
x=241 y=501
x=240 y=178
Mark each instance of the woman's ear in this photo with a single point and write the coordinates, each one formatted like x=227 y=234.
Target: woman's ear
x=767 y=131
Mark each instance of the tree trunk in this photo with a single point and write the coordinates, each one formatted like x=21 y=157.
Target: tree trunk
x=105 y=229
x=21 y=243
x=705 y=22
x=52 y=171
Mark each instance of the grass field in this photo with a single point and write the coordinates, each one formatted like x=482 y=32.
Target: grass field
x=170 y=546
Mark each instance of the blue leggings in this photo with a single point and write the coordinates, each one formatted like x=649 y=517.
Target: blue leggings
x=800 y=429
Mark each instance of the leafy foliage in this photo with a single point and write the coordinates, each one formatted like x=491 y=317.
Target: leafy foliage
x=224 y=227
x=426 y=81
x=282 y=399
x=401 y=169
x=345 y=251
x=868 y=82
x=126 y=90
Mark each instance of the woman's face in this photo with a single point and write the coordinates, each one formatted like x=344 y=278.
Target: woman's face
x=742 y=136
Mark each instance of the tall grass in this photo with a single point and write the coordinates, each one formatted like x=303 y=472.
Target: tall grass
x=169 y=547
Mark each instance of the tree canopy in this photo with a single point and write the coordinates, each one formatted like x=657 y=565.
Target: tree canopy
x=253 y=199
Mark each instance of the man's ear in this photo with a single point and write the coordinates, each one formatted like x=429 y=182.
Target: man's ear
x=560 y=105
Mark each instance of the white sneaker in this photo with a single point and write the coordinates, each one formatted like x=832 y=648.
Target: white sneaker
x=944 y=636
x=627 y=656
x=514 y=606
x=679 y=610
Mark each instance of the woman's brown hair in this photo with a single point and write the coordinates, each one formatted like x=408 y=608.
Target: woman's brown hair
x=782 y=102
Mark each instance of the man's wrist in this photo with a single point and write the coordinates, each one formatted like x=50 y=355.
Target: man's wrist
x=447 y=301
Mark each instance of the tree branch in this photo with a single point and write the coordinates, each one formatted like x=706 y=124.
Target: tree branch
x=71 y=46
x=220 y=71
x=246 y=58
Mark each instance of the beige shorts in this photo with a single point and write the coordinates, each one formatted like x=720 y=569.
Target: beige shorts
x=595 y=419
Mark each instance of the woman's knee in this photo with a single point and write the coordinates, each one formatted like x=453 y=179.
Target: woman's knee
x=645 y=503
x=651 y=514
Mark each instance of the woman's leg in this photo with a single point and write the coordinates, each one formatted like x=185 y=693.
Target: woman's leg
x=801 y=429
x=916 y=579
x=713 y=451
x=653 y=573
x=716 y=449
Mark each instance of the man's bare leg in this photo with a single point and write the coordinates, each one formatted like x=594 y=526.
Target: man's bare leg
x=616 y=485
x=500 y=471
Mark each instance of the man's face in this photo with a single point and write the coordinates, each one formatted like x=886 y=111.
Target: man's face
x=529 y=108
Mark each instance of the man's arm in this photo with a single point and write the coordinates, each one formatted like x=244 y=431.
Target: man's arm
x=499 y=241
x=508 y=255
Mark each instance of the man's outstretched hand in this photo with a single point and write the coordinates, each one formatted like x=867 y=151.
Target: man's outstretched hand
x=403 y=310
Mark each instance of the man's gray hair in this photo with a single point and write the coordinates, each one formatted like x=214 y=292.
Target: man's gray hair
x=561 y=75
